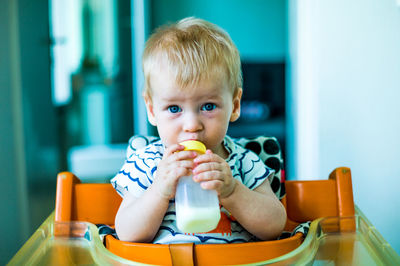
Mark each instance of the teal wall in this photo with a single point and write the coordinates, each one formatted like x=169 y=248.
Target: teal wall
x=258 y=27
x=28 y=125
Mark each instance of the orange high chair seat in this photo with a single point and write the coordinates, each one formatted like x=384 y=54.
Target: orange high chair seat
x=304 y=201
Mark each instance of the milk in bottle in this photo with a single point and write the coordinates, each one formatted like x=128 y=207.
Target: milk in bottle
x=197 y=209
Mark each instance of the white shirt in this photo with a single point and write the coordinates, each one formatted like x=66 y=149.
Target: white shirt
x=138 y=173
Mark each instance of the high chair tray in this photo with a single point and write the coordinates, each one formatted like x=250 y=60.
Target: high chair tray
x=325 y=244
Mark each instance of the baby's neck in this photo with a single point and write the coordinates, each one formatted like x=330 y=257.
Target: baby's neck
x=221 y=151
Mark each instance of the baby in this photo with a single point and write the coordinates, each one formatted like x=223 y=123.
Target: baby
x=193 y=90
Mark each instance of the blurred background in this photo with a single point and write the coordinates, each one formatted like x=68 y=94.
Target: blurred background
x=323 y=77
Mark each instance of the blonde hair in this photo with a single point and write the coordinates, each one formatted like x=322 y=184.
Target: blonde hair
x=193 y=50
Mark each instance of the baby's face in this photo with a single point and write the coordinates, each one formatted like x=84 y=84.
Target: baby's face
x=201 y=112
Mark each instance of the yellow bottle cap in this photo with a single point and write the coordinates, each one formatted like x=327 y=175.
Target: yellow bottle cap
x=194 y=145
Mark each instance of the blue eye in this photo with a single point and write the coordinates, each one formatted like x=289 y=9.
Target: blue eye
x=208 y=107
x=174 y=109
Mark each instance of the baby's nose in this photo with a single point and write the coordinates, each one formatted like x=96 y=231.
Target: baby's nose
x=192 y=124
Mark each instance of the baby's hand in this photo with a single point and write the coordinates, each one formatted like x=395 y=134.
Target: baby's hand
x=214 y=173
x=174 y=164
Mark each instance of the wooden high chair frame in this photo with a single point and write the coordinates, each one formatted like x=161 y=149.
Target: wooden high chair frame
x=304 y=201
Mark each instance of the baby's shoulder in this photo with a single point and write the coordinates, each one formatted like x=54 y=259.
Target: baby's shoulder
x=144 y=147
x=238 y=148
x=152 y=150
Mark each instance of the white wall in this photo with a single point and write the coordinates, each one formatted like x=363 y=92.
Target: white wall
x=346 y=82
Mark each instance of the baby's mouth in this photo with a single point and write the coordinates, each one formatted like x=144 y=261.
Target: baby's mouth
x=191 y=138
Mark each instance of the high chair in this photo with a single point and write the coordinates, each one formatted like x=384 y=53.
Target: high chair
x=339 y=232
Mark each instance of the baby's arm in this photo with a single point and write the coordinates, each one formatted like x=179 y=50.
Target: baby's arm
x=258 y=210
x=138 y=219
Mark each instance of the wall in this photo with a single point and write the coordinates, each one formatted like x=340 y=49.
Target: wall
x=346 y=84
x=257 y=27
x=28 y=136
x=13 y=199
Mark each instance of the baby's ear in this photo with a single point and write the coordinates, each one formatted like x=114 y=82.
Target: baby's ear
x=149 y=108
x=236 y=104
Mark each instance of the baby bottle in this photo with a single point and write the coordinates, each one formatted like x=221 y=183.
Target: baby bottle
x=197 y=209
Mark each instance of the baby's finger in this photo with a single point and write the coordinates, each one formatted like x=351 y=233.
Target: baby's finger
x=178 y=156
x=213 y=184
x=188 y=164
x=208 y=157
x=178 y=172
x=208 y=166
x=183 y=155
x=207 y=176
x=173 y=149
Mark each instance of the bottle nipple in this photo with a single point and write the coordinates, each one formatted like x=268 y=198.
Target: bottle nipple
x=194 y=145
